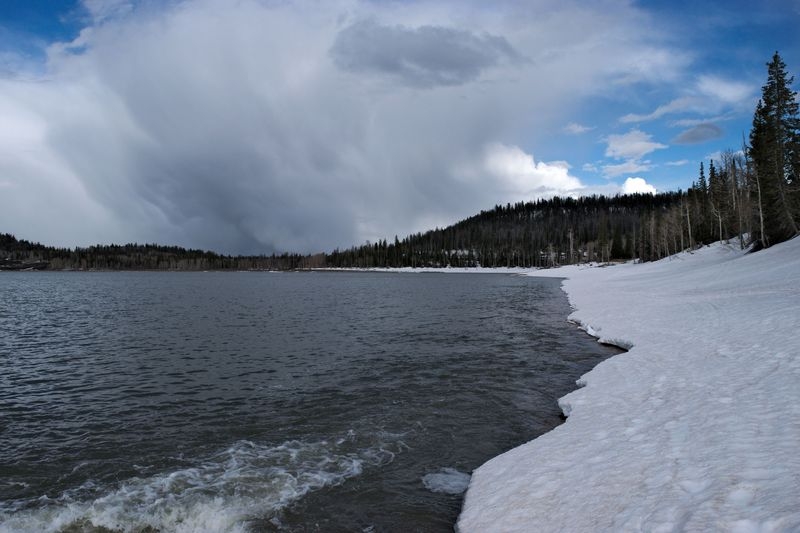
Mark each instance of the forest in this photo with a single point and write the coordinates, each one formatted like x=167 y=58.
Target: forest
x=751 y=196
x=17 y=254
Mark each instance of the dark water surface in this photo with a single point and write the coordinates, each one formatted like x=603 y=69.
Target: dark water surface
x=262 y=402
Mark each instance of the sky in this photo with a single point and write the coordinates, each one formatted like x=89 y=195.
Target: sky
x=261 y=126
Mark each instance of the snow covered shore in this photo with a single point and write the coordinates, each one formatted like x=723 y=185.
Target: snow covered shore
x=696 y=428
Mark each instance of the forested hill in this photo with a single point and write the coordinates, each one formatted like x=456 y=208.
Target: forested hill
x=16 y=254
x=546 y=233
x=541 y=233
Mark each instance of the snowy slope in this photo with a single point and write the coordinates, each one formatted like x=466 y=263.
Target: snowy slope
x=696 y=428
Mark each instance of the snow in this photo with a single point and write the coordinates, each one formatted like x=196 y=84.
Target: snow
x=434 y=270
x=696 y=428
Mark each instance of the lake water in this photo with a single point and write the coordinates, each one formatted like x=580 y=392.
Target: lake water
x=270 y=402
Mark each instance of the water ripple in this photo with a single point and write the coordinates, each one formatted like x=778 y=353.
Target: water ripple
x=207 y=401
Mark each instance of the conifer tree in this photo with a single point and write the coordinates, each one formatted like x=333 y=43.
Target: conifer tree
x=718 y=195
x=705 y=223
x=774 y=146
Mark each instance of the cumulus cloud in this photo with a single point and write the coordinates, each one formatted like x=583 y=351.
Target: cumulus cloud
x=632 y=145
x=518 y=173
x=637 y=185
x=255 y=126
x=427 y=56
x=515 y=175
x=699 y=134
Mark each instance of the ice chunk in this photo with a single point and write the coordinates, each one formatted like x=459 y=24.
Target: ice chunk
x=447 y=480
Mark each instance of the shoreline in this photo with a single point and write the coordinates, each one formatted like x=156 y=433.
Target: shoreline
x=693 y=428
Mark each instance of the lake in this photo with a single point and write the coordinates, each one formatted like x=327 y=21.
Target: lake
x=244 y=401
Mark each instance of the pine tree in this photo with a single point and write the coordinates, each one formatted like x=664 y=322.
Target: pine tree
x=774 y=146
x=719 y=196
x=705 y=223
x=617 y=245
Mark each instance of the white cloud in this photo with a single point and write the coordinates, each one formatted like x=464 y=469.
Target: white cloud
x=708 y=95
x=630 y=166
x=637 y=185
x=678 y=163
x=514 y=175
x=101 y=10
x=573 y=128
x=653 y=65
x=589 y=167
x=43 y=198
x=632 y=145
x=517 y=173
x=726 y=91
x=677 y=105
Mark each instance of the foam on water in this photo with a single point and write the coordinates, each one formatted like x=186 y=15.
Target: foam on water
x=447 y=480
x=245 y=482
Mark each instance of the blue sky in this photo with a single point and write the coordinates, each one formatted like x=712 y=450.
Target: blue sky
x=28 y=27
x=257 y=126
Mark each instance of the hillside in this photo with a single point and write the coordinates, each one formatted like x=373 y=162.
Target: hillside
x=551 y=232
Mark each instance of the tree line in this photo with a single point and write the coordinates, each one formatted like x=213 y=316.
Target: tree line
x=17 y=253
x=751 y=195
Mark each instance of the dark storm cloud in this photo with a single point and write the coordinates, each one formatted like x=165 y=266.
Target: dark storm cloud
x=238 y=127
x=699 y=134
x=427 y=56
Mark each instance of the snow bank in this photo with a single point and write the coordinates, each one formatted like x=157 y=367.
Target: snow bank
x=696 y=428
x=433 y=270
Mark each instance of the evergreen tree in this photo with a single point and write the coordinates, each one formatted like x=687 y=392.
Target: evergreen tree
x=705 y=223
x=774 y=147
x=718 y=197
x=617 y=245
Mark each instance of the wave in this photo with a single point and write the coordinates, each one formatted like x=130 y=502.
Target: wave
x=224 y=492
